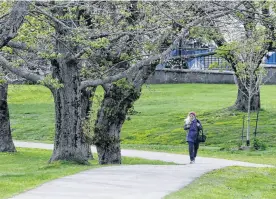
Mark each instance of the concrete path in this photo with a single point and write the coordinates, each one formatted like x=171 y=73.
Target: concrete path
x=123 y=182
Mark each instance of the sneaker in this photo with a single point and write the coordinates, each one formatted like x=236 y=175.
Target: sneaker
x=192 y=162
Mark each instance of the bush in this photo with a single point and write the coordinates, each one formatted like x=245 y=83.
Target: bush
x=259 y=145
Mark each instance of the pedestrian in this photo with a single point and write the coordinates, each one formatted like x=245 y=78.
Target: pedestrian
x=193 y=126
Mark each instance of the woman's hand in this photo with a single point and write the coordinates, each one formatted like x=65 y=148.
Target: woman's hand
x=187 y=126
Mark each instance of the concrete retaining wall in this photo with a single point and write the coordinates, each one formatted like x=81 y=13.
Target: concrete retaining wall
x=173 y=76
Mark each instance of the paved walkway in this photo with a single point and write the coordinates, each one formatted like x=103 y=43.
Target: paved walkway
x=123 y=182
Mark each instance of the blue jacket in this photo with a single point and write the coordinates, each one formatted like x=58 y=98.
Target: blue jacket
x=193 y=129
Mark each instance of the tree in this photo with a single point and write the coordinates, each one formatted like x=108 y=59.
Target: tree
x=10 y=22
x=246 y=21
x=249 y=71
x=120 y=96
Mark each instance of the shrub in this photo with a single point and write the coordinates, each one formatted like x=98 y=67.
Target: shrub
x=259 y=145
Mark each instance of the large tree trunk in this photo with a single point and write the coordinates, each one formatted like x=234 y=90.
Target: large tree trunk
x=111 y=116
x=70 y=143
x=118 y=99
x=241 y=103
x=69 y=138
x=6 y=143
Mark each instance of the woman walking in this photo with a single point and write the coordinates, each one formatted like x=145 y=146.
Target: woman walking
x=193 y=126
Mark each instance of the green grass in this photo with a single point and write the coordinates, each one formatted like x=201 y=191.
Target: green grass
x=231 y=183
x=163 y=107
x=28 y=168
x=158 y=125
x=31 y=112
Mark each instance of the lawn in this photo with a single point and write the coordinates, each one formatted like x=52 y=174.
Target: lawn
x=28 y=168
x=231 y=183
x=31 y=112
x=163 y=107
x=158 y=123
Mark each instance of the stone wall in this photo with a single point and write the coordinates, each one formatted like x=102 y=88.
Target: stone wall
x=174 y=76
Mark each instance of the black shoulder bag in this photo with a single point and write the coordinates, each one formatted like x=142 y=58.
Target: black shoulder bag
x=201 y=137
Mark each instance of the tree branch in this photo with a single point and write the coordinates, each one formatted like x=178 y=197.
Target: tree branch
x=78 y=55
x=159 y=57
x=4 y=15
x=121 y=75
x=15 y=20
x=20 y=71
x=54 y=19
x=21 y=46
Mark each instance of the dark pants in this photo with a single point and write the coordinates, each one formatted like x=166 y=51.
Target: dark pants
x=193 y=147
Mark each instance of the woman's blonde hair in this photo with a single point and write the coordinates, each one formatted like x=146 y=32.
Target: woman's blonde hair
x=188 y=119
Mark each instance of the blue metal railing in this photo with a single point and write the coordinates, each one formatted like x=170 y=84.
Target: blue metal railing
x=202 y=62
x=271 y=59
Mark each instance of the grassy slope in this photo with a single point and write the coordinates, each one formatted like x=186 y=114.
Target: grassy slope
x=162 y=110
x=158 y=126
x=28 y=168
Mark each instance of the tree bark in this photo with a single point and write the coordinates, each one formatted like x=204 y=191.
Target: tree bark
x=6 y=143
x=69 y=142
x=111 y=116
x=241 y=103
x=248 y=124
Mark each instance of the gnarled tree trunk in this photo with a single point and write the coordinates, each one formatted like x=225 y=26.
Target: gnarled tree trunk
x=111 y=116
x=6 y=143
x=242 y=98
x=118 y=98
